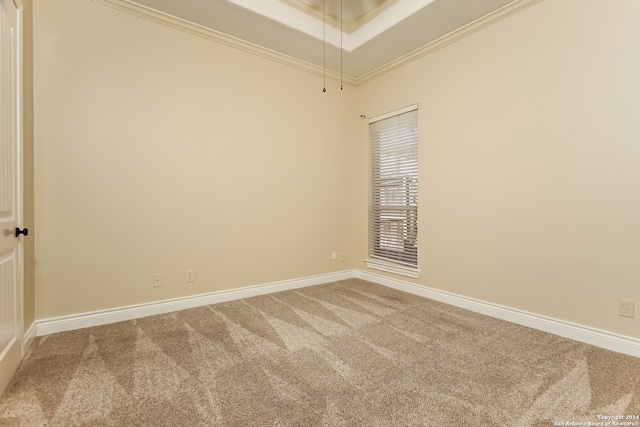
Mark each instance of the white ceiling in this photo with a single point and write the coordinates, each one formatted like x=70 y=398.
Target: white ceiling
x=375 y=32
x=345 y=15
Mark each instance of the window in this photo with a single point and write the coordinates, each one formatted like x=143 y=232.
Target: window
x=393 y=207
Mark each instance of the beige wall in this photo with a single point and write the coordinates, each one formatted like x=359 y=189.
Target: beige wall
x=530 y=161
x=158 y=151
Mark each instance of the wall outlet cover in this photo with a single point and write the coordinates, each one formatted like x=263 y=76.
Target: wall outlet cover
x=157 y=280
x=190 y=276
x=626 y=308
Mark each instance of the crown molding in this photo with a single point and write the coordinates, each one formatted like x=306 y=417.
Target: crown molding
x=207 y=33
x=334 y=20
x=462 y=32
x=159 y=17
x=312 y=25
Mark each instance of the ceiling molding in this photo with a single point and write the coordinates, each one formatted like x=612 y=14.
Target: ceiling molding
x=469 y=29
x=159 y=17
x=383 y=22
x=313 y=26
x=216 y=36
x=334 y=19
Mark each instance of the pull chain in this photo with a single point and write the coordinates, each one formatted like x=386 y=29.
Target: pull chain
x=341 y=50
x=324 y=45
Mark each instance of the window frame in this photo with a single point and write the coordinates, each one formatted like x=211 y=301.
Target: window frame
x=393 y=258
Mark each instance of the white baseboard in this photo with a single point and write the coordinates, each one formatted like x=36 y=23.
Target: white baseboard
x=29 y=337
x=585 y=334
x=103 y=317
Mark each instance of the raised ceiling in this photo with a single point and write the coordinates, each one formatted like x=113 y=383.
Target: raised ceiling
x=347 y=15
x=375 y=33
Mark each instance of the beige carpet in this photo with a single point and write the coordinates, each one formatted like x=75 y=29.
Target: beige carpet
x=342 y=354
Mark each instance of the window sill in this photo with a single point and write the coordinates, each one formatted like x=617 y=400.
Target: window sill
x=389 y=267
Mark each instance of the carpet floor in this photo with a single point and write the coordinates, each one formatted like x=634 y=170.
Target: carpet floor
x=349 y=353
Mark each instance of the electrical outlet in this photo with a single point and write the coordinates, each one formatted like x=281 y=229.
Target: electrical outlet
x=341 y=256
x=625 y=308
x=157 y=280
x=189 y=276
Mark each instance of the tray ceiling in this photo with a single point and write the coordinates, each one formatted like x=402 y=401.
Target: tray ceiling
x=375 y=33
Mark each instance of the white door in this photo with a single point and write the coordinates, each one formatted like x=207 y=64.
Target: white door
x=10 y=196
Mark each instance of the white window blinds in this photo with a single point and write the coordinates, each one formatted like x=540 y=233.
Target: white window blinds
x=393 y=210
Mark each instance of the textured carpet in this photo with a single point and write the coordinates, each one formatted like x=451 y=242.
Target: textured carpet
x=350 y=353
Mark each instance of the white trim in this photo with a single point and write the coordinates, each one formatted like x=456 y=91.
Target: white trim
x=20 y=171
x=394 y=113
x=404 y=270
x=294 y=18
x=129 y=6
x=103 y=317
x=397 y=13
x=29 y=337
x=454 y=36
x=597 y=337
x=180 y=24
x=312 y=26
